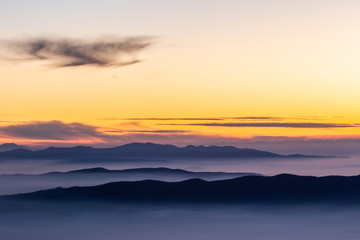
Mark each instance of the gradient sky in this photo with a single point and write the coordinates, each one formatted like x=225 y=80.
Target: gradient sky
x=215 y=72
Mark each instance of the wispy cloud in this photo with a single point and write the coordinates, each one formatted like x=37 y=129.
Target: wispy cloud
x=64 y=52
x=245 y=118
x=133 y=124
x=150 y=131
x=57 y=130
x=270 y=125
x=257 y=118
x=53 y=130
x=168 y=119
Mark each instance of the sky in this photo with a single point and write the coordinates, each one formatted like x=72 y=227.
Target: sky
x=244 y=73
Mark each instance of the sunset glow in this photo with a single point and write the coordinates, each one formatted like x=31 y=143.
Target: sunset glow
x=229 y=70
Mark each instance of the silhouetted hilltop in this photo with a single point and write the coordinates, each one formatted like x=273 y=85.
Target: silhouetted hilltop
x=282 y=188
x=143 y=151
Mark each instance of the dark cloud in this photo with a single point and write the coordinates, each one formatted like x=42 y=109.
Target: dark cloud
x=71 y=52
x=270 y=124
x=53 y=130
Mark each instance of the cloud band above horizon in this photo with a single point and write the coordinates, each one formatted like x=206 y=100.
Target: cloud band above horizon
x=269 y=125
x=58 y=133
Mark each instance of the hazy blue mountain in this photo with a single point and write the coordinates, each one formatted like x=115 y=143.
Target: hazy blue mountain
x=250 y=189
x=151 y=172
x=20 y=183
x=10 y=146
x=143 y=151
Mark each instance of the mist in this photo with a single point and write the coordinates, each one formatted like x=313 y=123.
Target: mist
x=346 y=166
x=106 y=221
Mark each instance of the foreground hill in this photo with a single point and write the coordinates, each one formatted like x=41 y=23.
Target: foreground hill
x=143 y=151
x=251 y=189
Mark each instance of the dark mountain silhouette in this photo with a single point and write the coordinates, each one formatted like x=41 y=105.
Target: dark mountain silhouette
x=279 y=189
x=143 y=151
x=10 y=146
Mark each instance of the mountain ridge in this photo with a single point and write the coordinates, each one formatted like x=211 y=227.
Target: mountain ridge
x=146 y=151
x=22 y=183
x=279 y=189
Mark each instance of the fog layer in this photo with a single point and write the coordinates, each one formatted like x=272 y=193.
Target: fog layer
x=112 y=222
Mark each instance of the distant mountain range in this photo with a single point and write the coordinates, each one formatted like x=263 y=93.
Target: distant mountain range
x=143 y=151
x=280 y=189
x=10 y=146
x=153 y=172
x=20 y=183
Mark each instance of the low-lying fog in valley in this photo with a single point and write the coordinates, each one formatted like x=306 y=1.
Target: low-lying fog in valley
x=300 y=166
x=101 y=221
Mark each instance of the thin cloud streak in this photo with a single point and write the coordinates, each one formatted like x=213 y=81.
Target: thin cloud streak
x=168 y=119
x=249 y=118
x=150 y=131
x=259 y=118
x=270 y=125
x=70 y=52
